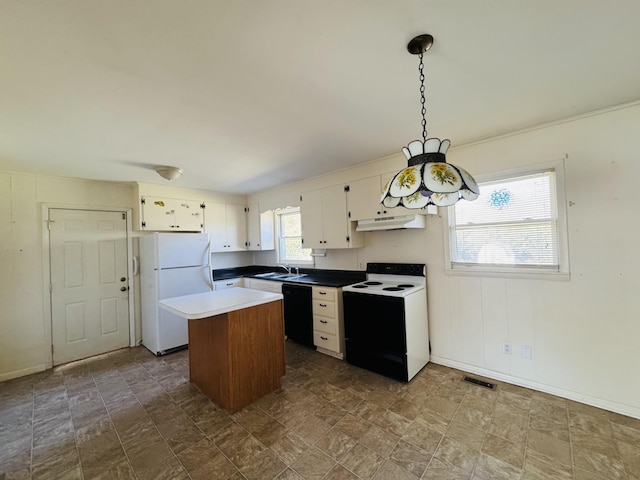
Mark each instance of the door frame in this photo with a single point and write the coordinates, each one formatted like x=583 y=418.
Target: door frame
x=46 y=277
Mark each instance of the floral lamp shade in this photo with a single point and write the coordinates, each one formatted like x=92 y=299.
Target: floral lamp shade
x=429 y=179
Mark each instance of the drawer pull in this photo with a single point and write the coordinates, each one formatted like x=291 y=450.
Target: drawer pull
x=322 y=304
x=323 y=321
x=322 y=293
x=323 y=338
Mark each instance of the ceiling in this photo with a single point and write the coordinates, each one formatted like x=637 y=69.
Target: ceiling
x=246 y=95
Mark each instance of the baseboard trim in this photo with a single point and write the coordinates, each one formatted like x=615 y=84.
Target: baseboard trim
x=21 y=373
x=615 y=407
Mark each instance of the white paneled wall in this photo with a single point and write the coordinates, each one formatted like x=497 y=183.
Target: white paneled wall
x=584 y=332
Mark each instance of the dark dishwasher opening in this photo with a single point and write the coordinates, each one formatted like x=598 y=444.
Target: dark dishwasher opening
x=298 y=313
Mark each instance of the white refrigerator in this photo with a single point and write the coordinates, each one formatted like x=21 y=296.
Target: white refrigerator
x=171 y=265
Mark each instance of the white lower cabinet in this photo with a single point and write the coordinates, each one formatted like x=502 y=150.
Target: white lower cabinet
x=230 y=283
x=328 y=328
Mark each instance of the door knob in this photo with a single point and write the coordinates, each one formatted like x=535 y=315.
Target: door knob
x=123 y=289
x=123 y=279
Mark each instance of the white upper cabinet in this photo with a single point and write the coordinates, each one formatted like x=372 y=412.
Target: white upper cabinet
x=325 y=222
x=363 y=199
x=226 y=224
x=171 y=214
x=260 y=228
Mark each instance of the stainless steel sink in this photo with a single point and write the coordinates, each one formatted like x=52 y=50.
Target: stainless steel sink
x=267 y=275
x=289 y=276
x=281 y=276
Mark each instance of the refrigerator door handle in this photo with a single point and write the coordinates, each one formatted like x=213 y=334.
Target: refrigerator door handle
x=135 y=265
x=209 y=264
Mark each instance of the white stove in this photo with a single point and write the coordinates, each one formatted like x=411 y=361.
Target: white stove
x=385 y=319
x=391 y=279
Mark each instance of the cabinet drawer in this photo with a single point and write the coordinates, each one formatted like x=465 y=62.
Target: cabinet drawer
x=324 y=308
x=232 y=282
x=325 y=324
x=324 y=293
x=326 y=340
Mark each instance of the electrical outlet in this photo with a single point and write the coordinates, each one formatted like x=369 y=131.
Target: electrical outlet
x=506 y=348
x=526 y=352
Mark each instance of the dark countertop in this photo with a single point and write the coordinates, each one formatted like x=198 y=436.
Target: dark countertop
x=327 y=278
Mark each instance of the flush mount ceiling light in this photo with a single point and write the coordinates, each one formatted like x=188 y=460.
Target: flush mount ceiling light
x=169 y=173
x=428 y=179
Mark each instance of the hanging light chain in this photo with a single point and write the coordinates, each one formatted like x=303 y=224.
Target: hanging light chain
x=422 y=100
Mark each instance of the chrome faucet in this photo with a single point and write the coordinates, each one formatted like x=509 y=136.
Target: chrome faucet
x=287 y=268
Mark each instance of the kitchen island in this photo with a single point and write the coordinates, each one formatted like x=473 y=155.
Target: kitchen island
x=236 y=343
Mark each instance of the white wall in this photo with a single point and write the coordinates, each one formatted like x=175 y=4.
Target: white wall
x=25 y=342
x=25 y=345
x=584 y=332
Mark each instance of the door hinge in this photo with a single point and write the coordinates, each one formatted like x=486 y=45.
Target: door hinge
x=124 y=216
x=52 y=349
x=349 y=214
x=142 y=201
x=50 y=287
x=348 y=239
x=50 y=224
x=202 y=205
x=144 y=224
x=346 y=188
x=300 y=197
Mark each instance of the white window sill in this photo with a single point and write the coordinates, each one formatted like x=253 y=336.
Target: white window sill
x=516 y=273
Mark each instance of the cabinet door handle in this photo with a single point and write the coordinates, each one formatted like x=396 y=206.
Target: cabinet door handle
x=322 y=293
x=322 y=304
x=323 y=321
x=323 y=338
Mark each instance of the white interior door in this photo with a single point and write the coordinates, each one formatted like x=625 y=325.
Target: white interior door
x=89 y=284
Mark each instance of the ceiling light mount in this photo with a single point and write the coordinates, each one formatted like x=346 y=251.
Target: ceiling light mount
x=428 y=179
x=420 y=44
x=168 y=173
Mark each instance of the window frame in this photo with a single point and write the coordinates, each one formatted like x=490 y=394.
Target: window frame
x=279 y=257
x=516 y=271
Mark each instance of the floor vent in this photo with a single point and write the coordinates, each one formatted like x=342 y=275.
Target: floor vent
x=481 y=383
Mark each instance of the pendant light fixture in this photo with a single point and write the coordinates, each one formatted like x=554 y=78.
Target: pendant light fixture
x=428 y=178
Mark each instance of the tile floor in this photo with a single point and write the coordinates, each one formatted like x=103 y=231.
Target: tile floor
x=129 y=415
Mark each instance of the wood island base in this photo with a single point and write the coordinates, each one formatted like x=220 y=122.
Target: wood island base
x=237 y=357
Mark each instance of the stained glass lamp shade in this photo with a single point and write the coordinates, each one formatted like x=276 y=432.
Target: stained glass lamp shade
x=428 y=178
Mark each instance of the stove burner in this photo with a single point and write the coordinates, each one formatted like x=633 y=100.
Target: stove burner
x=359 y=286
x=406 y=285
x=372 y=283
x=393 y=289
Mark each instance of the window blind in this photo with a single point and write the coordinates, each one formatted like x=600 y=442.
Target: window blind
x=512 y=223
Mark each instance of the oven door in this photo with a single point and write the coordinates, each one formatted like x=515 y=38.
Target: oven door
x=375 y=334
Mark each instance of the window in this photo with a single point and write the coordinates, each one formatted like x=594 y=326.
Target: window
x=514 y=226
x=289 y=233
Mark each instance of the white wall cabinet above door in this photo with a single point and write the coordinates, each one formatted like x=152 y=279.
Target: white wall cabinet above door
x=325 y=222
x=226 y=224
x=170 y=214
x=260 y=228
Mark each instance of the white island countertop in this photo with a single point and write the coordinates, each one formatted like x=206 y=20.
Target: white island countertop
x=209 y=304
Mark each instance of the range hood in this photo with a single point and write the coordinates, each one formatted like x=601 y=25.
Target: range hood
x=391 y=223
